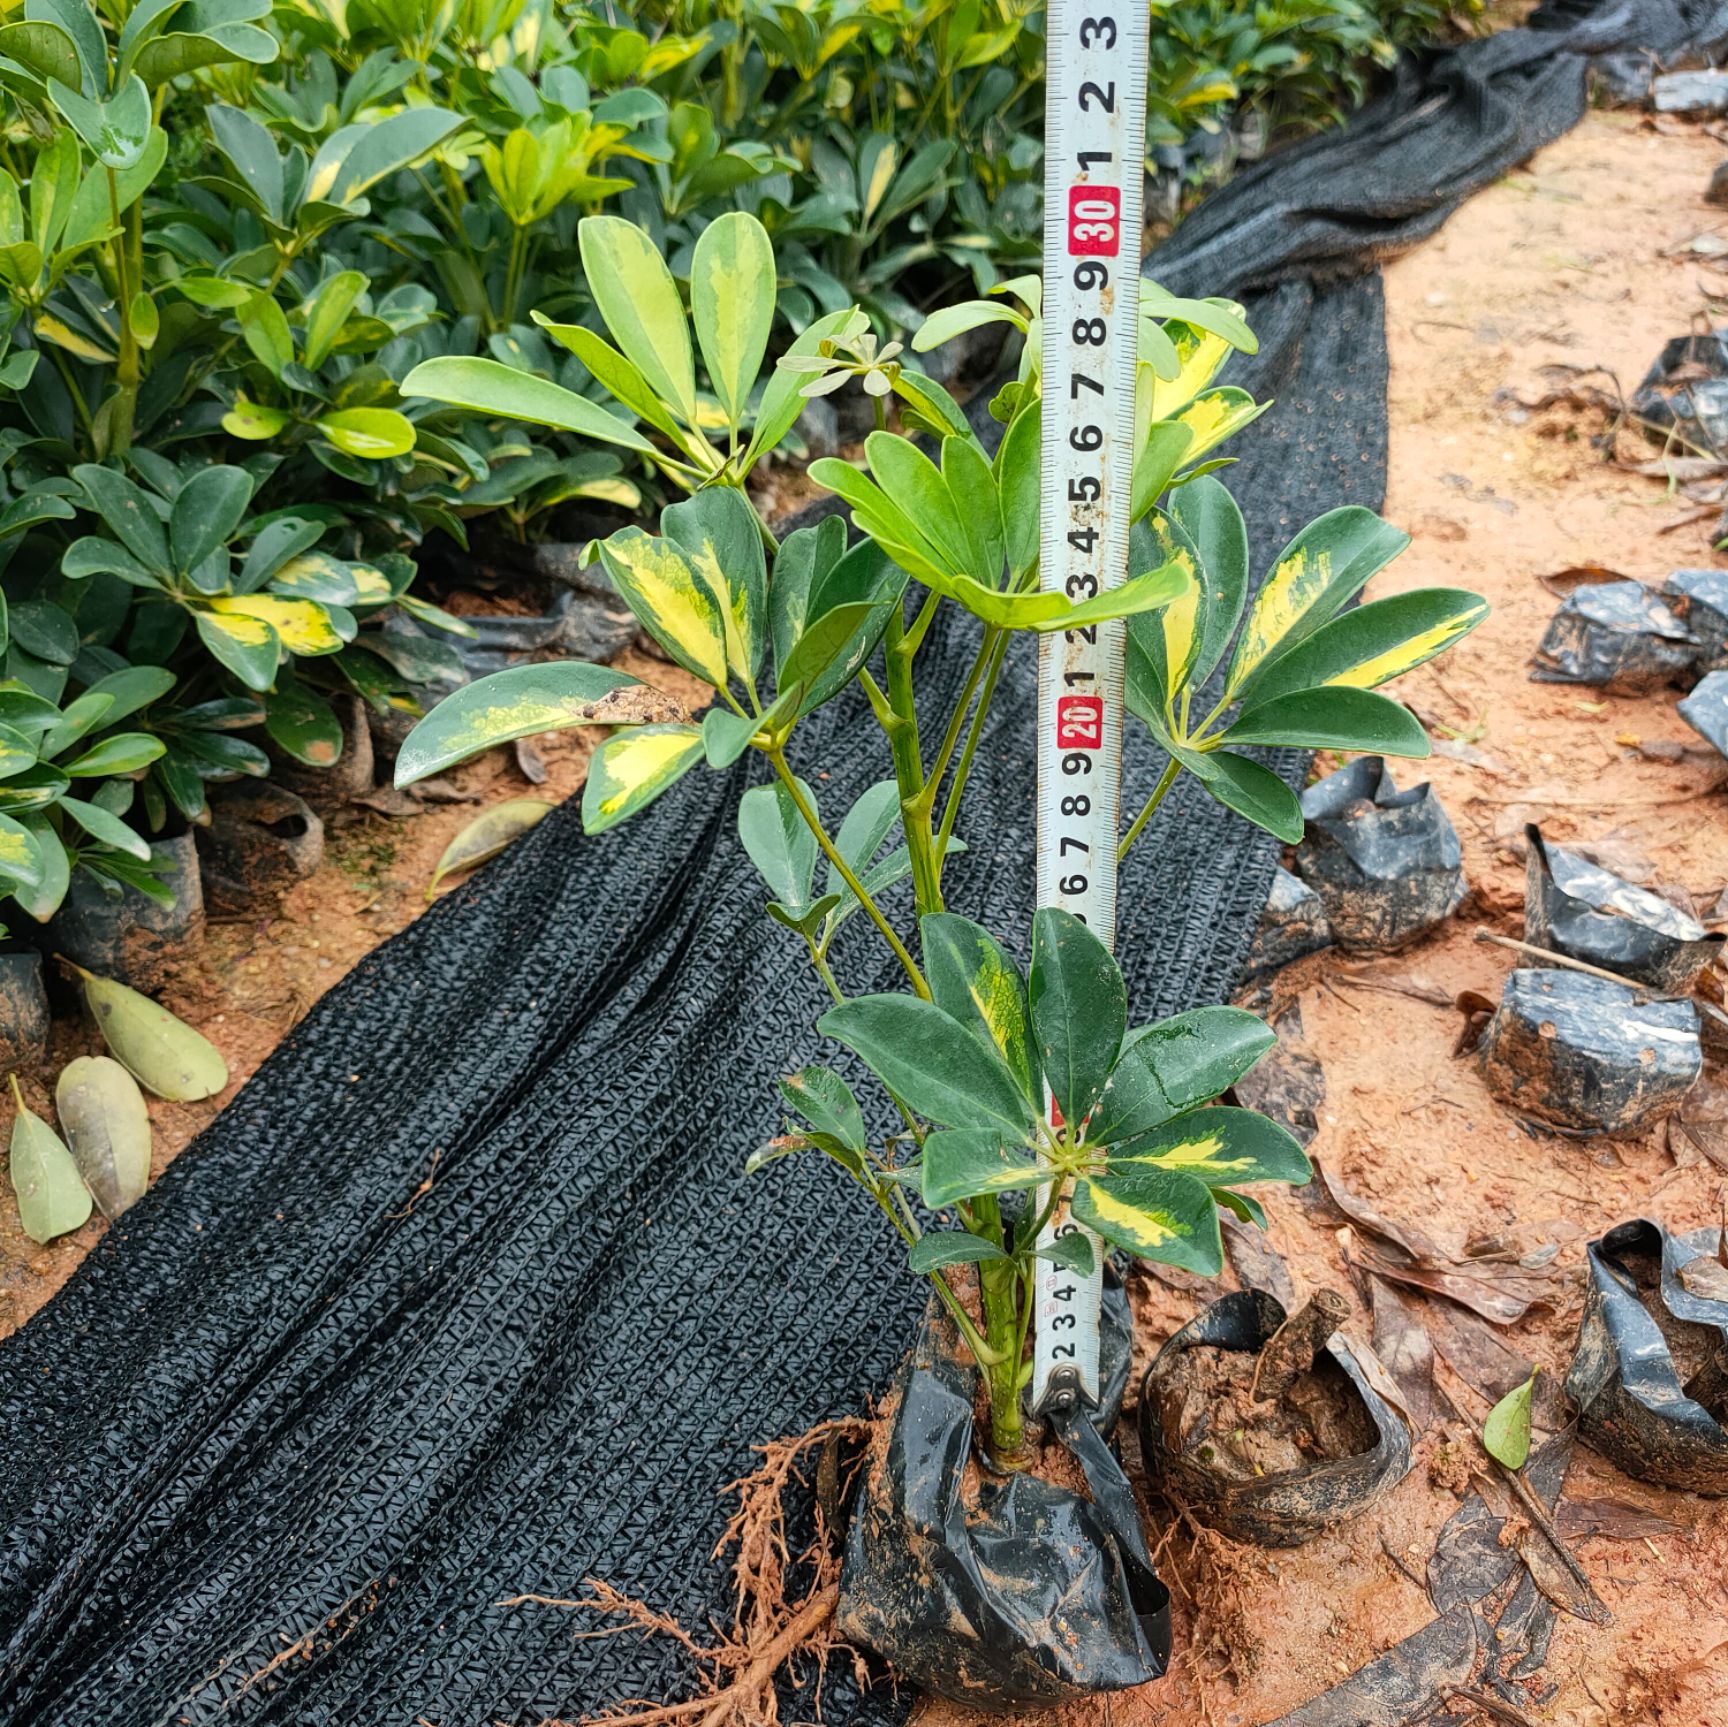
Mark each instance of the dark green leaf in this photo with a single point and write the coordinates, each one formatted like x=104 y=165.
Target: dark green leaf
x=1252 y=791
x=1334 y=718
x=825 y=1100
x=967 y=1163
x=1176 y=1064
x=1079 y=1010
x=929 y=1061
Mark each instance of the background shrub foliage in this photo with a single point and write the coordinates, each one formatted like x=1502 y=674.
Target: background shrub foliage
x=229 y=230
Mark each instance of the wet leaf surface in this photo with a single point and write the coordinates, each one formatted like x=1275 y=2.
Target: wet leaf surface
x=107 y=1125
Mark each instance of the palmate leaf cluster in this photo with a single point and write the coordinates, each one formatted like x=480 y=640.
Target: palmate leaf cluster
x=1152 y=1160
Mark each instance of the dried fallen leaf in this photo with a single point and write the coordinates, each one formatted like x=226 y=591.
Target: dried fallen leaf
x=636 y=705
x=103 y=1116
x=1500 y=1291
x=489 y=833
x=51 y=1199
x=164 y=1054
x=1578 y=1519
x=1403 y=1344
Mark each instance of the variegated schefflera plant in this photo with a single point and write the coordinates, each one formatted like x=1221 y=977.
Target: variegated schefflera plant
x=970 y=1051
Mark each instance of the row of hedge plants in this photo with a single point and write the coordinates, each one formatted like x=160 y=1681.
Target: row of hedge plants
x=229 y=232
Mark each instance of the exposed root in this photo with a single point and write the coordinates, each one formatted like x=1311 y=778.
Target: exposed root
x=1214 y=1576
x=736 y=1674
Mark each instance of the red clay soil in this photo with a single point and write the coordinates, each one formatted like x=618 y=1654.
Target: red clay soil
x=1570 y=262
x=1567 y=262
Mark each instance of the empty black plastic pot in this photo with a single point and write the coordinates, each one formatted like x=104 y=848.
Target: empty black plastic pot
x=1650 y=1375
x=1273 y=1510
x=999 y=1591
x=1386 y=863
x=1615 y=635
x=1577 y=908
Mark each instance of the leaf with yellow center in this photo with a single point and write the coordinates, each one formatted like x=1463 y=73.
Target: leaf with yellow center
x=671 y=600
x=1216 y=1146
x=631 y=769
x=302 y=626
x=1155 y=1214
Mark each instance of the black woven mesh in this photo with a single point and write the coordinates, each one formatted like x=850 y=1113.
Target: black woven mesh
x=292 y=1403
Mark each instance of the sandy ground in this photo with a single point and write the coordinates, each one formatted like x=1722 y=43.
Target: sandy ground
x=1563 y=263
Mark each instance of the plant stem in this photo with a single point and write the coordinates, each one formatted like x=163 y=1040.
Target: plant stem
x=962 y=772
x=1166 y=781
x=844 y=870
x=999 y=1287
x=902 y=728
x=127 y=369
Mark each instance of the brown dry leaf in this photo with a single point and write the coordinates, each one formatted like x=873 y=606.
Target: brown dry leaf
x=1578 y=1519
x=1500 y=1291
x=1257 y=1264
x=1575 y=576
x=1702 y=1121
x=1403 y=1344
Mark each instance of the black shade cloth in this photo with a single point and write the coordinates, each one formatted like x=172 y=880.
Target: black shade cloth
x=294 y=1404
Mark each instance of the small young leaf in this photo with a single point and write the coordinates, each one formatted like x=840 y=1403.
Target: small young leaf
x=104 y=1117
x=490 y=832
x=1072 y=1251
x=940 y=1247
x=164 y=1054
x=779 y=842
x=1506 y=1432
x=52 y=1199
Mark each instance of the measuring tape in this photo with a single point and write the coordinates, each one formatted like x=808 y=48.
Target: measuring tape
x=1094 y=149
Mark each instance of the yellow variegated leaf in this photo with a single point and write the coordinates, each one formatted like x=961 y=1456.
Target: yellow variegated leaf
x=52 y=329
x=671 y=600
x=244 y=627
x=303 y=626
x=1200 y=354
x=1155 y=1213
x=734 y=607
x=1181 y=620
x=372 y=586
x=19 y=859
x=1215 y=416
x=633 y=768
x=1218 y=1146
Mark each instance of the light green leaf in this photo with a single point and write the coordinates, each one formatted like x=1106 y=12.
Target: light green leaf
x=374 y=434
x=638 y=299
x=1506 y=1432
x=498 y=391
x=779 y=843
x=52 y=1199
x=164 y=1054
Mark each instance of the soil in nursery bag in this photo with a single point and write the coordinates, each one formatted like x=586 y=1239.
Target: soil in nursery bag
x=465 y=1298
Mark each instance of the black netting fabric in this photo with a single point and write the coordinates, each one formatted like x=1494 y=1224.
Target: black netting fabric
x=289 y=1438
